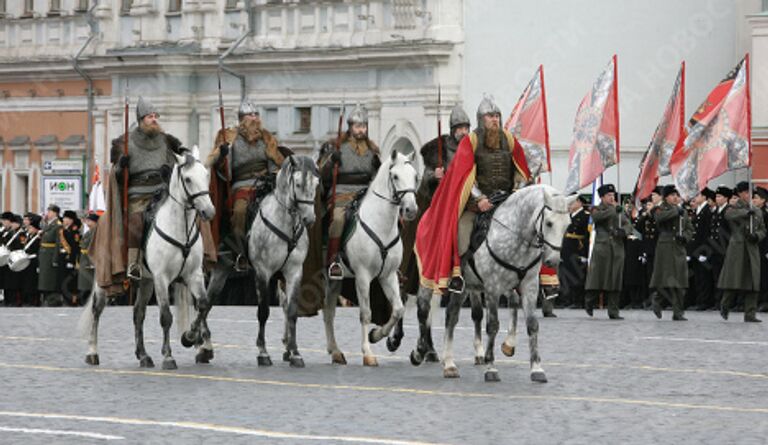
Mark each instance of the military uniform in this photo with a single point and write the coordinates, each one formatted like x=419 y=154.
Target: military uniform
x=572 y=272
x=29 y=290
x=606 y=267
x=85 y=267
x=670 y=270
x=634 y=282
x=763 y=299
x=68 y=257
x=741 y=267
x=700 y=253
x=49 y=279
x=647 y=228
x=12 y=285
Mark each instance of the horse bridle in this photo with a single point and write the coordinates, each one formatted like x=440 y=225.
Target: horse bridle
x=541 y=241
x=397 y=195
x=189 y=204
x=298 y=230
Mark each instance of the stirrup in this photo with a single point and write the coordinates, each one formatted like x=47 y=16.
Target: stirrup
x=335 y=272
x=456 y=285
x=241 y=263
x=134 y=272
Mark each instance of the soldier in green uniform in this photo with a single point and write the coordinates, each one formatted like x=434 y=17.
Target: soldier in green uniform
x=670 y=270
x=85 y=266
x=741 y=268
x=606 y=267
x=49 y=280
x=358 y=161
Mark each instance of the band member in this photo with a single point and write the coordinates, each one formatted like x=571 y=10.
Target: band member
x=49 y=279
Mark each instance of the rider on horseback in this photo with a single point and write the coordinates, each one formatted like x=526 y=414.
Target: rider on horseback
x=253 y=156
x=490 y=160
x=149 y=160
x=358 y=161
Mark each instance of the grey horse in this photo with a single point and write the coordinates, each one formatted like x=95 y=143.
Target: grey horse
x=526 y=231
x=174 y=263
x=278 y=243
x=374 y=251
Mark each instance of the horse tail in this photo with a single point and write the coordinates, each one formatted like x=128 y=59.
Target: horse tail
x=85 y=323
x=181 y=299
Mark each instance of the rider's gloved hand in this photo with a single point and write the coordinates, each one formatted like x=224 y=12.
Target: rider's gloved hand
x=165 y=173
x=336 y=157
x=123 y=161
x=223 y=150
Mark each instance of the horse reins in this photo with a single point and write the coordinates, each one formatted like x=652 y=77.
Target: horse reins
x=189 y=204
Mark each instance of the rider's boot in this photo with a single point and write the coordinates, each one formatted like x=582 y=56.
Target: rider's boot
x=335 y=271
x=134 y=267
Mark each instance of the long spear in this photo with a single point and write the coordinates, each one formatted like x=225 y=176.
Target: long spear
x=439 y=129
x=223 y=134
x=332 y=198
x=127 y=283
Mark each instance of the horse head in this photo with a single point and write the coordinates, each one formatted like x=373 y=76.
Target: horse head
x=296 y=185
x=403 y=179
x=553 y=221
x=189 y=184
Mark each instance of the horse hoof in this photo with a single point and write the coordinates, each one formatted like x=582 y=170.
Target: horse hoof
x=507 y=350
x=337 y=358
x=369 y=360
x=451 y=372
x=169 y=364
x=146 y=362
x=393 y=343
x=374 y=335
x=187 y=339
x=479 y=361
x=264 y=360
x=286 y=356
x=492 y=376
x=538 y=377
x=92 y=359
x=431 y=357
x=297 y=362
x=416 y=358
x=204 y=356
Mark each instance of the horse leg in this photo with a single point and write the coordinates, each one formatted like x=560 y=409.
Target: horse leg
x=332 y=291
x=362 y=284
x=217 y=282
x=394 y=340
x=391 y=287
x=263 y=289
x=492 y=328
x=431 y=355
x=510 y=341
x=291 y=316
x=143 y=294
x=450 y=370
x=530 y=294
x=166 y=320
x=477 y=318
x=423 y=313
x=200 y=326
x=92 y=315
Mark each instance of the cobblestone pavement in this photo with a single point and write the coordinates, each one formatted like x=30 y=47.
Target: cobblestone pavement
x=634 y=381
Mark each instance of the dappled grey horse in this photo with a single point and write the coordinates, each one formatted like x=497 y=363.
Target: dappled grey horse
x=278 y=244
x=374 y=251
x=173 y=260
x=526 y=231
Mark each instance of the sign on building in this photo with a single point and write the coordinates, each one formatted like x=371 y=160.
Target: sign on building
x=64 y=191
x=63 y=167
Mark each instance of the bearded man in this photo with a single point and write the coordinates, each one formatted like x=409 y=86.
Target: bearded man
x=489 y=162
x=244 y=160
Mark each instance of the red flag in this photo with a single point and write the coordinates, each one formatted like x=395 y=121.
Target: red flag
x=528 y=123
x=595 y=145
x=667 y=139
x=719 y=137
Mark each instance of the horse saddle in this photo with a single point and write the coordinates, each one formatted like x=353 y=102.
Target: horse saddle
x=262 y=186
x=483 y=221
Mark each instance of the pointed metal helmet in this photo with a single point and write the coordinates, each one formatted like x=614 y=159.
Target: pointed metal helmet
x=246 y=107
x=459 y=117
x=487 y=106
x=143 y=108
x=359 y=115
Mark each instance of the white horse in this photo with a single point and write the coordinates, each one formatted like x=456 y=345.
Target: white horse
x=278 y=243
x=374 y=251
x=526 y=231
x=173 y=258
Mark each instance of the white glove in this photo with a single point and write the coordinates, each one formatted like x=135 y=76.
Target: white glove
x=702 y=259
x=584 y=259
x=687 y=259
x=70 y=266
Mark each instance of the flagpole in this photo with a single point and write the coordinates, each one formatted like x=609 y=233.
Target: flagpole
x=616 y=116
x=749 y=141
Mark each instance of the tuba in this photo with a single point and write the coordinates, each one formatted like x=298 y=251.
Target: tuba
x=5 y=252
x=18 y=260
